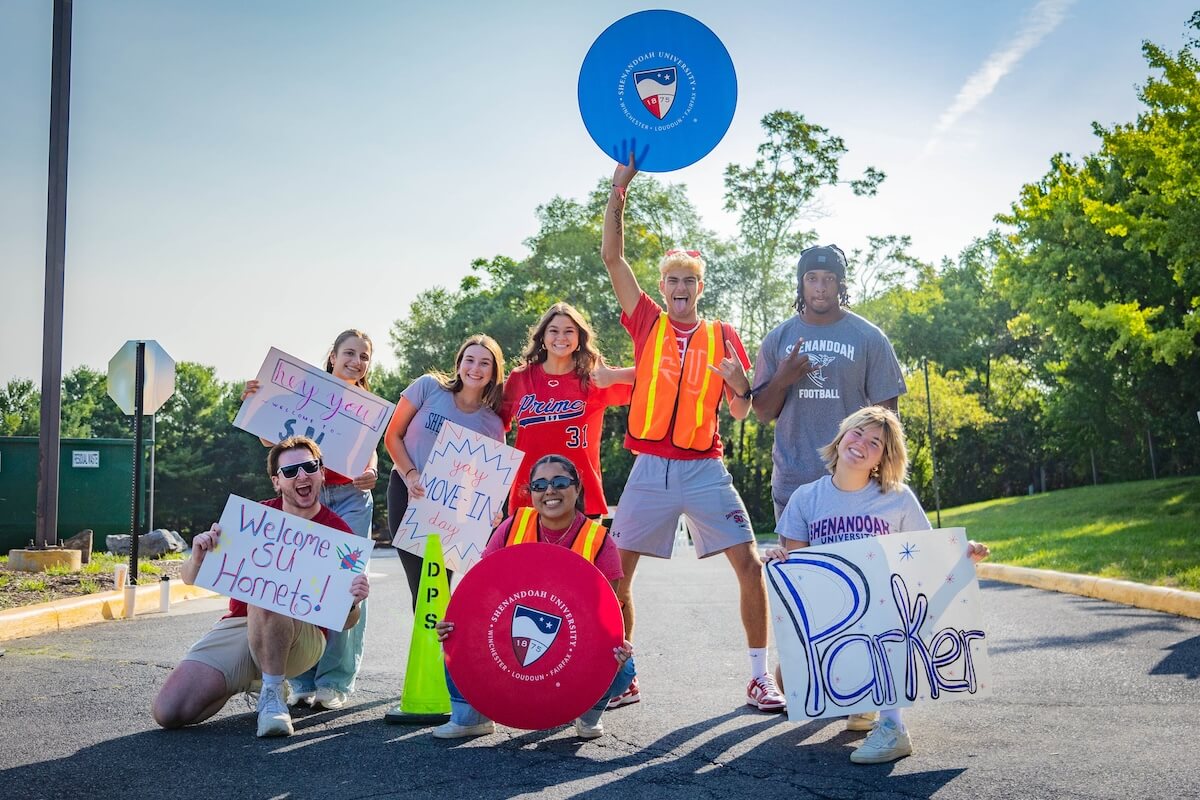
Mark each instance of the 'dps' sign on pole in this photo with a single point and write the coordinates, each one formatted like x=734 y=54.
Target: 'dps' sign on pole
x=141 y=377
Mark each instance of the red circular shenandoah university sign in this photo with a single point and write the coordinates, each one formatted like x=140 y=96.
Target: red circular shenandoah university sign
x=534 y=630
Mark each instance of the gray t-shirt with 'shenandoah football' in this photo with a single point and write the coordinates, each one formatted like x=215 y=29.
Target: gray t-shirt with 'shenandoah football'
x=435 y=405
x=855 y=367
x=821 y=513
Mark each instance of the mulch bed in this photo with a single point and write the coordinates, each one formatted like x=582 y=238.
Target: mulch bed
x=60 y=586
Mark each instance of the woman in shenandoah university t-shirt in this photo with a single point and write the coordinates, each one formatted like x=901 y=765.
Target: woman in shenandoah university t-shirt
x=556 y=405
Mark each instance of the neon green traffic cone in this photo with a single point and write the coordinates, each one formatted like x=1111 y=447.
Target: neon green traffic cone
x=425 y=698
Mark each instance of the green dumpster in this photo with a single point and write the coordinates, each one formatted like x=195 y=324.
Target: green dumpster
x=94 y=481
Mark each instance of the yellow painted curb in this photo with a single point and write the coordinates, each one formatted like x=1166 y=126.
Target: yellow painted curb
x=71 y=612
x=1155 y=598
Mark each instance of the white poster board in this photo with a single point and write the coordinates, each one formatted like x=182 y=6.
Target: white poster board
x=298 y=399
x=284 y=563
x=466 y=479
x=883 y=622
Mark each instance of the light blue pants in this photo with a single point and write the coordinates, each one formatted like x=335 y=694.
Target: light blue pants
x=463 y=713
x=339 y=665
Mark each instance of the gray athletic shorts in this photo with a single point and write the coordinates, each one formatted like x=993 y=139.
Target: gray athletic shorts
x=660 y=489
x=226 y=648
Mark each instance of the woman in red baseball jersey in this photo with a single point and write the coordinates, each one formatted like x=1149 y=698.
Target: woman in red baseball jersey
x=556 y=401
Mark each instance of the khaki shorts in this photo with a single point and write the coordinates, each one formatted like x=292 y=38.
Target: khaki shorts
x=660 y=489
x=226 y=648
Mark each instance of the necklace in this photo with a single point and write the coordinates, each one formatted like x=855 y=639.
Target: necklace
x=558 y=536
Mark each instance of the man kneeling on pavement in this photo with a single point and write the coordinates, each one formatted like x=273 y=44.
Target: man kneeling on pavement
x=251 y=642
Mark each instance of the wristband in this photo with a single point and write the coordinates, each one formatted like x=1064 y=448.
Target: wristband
x=620 y=192
x=410 y=469
x=749 y=393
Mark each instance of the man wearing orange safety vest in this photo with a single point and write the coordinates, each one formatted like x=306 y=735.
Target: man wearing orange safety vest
x=683 y=366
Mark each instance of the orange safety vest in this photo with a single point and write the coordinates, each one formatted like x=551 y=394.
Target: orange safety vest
x=587 y=541
x=663 y=393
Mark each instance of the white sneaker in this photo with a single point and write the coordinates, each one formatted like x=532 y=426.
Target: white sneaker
x=273 y=716
x=585 y=731
x=886 y=743
x=329 y=697
x=862 y=722
x=763 y=694
x=296 y=698
x=452 y=730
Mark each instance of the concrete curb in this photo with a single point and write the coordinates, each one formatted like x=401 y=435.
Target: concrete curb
x=70 y=612
x=1155 y=598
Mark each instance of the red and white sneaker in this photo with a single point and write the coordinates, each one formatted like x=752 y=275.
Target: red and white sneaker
x=763 y=694
x=627 y=697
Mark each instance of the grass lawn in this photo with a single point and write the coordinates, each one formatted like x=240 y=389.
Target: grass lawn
x=1145 y=531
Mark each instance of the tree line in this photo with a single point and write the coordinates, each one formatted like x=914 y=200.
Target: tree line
x=1060 y=347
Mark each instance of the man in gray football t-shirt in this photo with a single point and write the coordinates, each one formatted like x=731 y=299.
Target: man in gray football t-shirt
x=817 y=368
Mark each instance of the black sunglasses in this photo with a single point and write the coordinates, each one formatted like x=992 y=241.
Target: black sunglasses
x=292 y=470
x=559 y=482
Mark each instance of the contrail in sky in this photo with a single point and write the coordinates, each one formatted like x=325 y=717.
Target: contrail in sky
x=1039 y=22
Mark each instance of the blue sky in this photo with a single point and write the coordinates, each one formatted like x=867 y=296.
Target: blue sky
x=254 y=174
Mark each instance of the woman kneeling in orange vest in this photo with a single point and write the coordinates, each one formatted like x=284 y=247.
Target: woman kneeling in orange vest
x=556 y=518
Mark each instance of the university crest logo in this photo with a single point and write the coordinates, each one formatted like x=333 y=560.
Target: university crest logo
x=656 y=88
x=533 y=632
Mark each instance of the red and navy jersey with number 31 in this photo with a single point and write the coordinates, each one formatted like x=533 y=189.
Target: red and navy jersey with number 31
x=555 y=414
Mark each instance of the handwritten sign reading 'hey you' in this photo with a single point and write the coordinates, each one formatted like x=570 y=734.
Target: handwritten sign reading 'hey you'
x=284 y=563
x=298 y=399
x=883 y=622
x=466 y=479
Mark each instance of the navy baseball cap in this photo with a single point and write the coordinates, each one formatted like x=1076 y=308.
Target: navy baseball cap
x=826 y=257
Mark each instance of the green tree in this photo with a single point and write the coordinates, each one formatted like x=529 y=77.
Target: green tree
x=20 y=408
x=1101 y=265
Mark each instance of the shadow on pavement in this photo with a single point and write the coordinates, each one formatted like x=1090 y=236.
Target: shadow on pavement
x=366 y=758
x=1184 y=659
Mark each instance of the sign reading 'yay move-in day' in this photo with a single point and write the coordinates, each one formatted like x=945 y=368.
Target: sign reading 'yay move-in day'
x=284 y=563
x=882 y=622
x=298 y=399
x=466 y=479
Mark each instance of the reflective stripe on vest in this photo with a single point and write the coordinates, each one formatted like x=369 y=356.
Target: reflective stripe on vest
x=524 y=527
x=588 y=540
x=662 y=394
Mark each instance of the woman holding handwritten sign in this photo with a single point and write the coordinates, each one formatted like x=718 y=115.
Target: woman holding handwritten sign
x=863 y=496
x=328 y=683
x=470 y=397
x=557 y=398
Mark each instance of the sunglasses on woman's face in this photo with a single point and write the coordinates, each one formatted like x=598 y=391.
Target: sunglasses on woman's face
x=292 y=470
x=559 y=482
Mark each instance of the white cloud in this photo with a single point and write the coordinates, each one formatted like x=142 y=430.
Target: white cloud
x=1041 y=20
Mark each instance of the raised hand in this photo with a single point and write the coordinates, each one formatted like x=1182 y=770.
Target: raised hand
x=795 y=365
x=732 y=372
x=627 y=163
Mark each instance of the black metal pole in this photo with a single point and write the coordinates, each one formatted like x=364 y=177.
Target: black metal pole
x=937 y=495
x=150 y=492
x=56 y=248
x=139 y=382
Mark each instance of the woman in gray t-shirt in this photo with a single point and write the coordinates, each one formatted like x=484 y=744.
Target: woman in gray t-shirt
x=864 y=495
x=470 y=397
